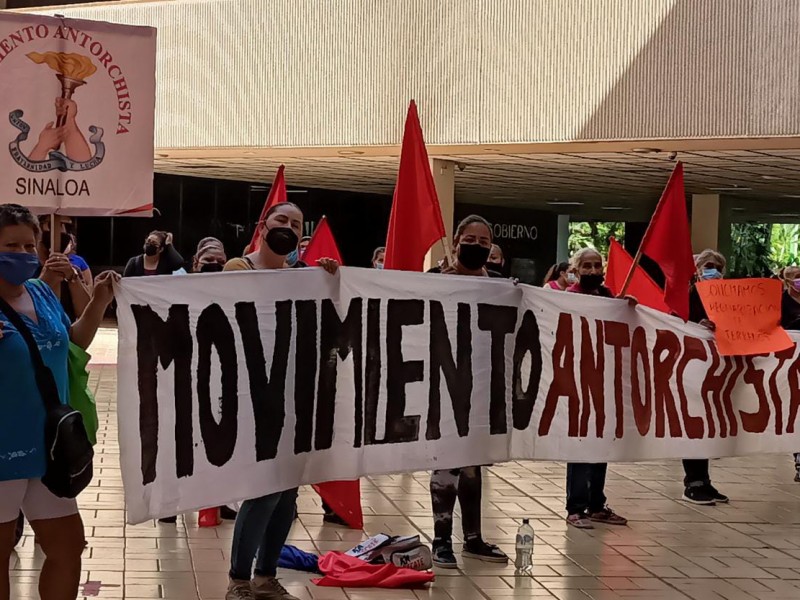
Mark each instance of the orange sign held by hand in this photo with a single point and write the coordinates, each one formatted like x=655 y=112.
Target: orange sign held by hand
x=747 y=315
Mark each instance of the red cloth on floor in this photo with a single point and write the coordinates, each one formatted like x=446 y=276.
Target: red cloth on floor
x=341 y=570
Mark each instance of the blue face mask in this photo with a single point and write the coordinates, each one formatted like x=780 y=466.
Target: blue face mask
x=17 y=267
x=292 y=258
x=711 y=274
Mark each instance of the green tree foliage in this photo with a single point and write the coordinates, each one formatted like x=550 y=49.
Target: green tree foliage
x=751 y=250
x=594 y=234
x=785 y=245
x=759 y=249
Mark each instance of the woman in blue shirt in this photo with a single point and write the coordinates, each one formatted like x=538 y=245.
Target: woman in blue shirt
x=55 y=521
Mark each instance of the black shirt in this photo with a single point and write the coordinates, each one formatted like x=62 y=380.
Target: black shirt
x=601 y=292
x=169 y=262
x=697 y=312
x=489 y=272
x=790 y=312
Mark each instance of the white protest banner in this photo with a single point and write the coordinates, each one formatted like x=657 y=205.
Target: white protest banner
x=77 y=104
x=234 y=385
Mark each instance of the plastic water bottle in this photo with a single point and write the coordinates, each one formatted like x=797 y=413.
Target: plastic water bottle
x=524 y=547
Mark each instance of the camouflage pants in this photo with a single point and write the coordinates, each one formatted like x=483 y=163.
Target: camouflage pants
x=465 y=485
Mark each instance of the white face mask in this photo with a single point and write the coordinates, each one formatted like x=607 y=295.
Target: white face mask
x=572 y=278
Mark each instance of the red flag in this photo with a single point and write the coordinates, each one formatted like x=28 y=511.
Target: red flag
x=344 y=498
x=341 y=570
x=642 y=287
x=277 y=193
x=322 y=245
x=668 y=241
x=416 y=221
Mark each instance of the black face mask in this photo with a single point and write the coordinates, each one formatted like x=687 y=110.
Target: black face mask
x=213 y=267
x=281 y=240
x=151 y=249
x=473 y=256
x=592 y=282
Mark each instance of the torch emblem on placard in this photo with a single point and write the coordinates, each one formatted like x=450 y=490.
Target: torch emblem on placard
x=61 y=144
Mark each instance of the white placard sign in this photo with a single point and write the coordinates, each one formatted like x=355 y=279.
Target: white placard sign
x=77 y=103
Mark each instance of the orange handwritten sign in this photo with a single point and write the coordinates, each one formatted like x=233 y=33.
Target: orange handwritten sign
x=747 y=315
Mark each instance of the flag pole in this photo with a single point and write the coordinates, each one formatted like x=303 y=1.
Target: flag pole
x=638 y=256
x=55 y=233
x=629 y=277
x=448 y=251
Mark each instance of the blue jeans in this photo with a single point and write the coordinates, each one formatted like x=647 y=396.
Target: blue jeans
x=585 y=485
x=262 y=527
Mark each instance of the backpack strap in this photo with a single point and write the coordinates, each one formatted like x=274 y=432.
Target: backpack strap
x=45 y=381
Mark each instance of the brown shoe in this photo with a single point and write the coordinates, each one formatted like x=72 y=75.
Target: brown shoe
x=239 y=590
x=269 y=588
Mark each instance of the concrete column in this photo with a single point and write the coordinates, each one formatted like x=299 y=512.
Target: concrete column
x=444 y=180
x=705 y=222
x=562 y=239
x=724 y=228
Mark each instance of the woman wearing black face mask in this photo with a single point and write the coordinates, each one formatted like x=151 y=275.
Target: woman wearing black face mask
x=588 y=266
x=586 y=500
x=210 y=256
x=159 y=257
x=473 y=243
x=263 y=524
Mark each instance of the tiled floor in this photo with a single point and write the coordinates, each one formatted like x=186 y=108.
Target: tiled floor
x=747 y=550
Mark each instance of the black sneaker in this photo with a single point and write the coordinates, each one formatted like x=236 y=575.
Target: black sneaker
x=797 y=477
x=443 y=556
x=333 y=519
x=699 y=494
x=718 y=497
x=478 y=549
x=227 y=514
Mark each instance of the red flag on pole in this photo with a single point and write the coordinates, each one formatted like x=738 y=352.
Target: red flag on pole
x=277 y=193
x=322 y=245
x=642 y=287
x=416 y=220
x=344 y=498
x=668 y=241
